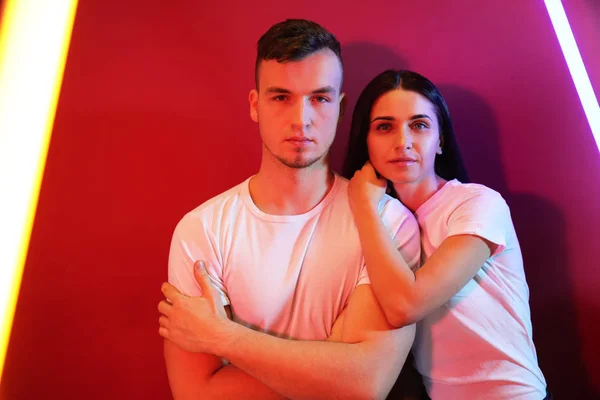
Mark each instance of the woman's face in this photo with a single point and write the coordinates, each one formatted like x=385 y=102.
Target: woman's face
x=404 y=137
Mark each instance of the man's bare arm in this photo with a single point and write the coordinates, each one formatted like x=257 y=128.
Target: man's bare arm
x=364 y=365
x=203 y=376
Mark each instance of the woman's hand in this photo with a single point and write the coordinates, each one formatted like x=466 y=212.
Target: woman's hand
x=366 y=189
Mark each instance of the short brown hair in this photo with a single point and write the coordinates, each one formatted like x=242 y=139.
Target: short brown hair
x=293 y=40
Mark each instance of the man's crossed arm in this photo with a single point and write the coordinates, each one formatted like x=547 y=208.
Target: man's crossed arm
x=360 y=360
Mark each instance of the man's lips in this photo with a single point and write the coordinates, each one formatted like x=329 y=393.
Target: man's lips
x=298 y=139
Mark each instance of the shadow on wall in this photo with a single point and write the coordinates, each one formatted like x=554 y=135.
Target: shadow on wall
x=594 y=5
x=362 y=62
x=540 y=226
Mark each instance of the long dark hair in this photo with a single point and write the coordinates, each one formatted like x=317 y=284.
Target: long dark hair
x=448 y=165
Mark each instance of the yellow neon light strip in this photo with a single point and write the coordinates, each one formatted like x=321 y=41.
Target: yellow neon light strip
x=34 y=41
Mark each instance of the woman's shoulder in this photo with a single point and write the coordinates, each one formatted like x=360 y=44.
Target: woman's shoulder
x=467 y=191
x=457 y=198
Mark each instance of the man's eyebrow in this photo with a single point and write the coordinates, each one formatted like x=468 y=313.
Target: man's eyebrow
x=324 y=89
x=279 y=90
x=275 y=89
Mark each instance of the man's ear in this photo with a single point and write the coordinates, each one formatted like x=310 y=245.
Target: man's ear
x=253 y=100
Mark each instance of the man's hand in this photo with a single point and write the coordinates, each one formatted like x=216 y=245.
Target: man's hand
x=195 y=324
x=365 y=188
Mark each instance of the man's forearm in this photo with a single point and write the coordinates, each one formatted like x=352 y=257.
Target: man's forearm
x=314 y=369
x=194 y=376
x=230 y=382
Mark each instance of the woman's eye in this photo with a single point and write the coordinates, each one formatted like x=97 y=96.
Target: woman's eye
x=420 y=125
x=384 y=127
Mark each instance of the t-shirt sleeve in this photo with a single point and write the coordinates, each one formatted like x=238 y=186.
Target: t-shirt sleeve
x=363 y=276
x=404 y=229
x=483 y=213
x=191 y=242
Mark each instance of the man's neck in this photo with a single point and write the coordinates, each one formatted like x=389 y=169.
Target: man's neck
x=280 y=190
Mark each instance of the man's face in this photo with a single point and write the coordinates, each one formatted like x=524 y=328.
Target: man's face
x=297 y=107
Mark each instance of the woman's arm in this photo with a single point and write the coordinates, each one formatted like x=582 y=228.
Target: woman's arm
x=407 y=297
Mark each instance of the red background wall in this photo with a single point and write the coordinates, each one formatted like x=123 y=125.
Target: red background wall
x=153 y=120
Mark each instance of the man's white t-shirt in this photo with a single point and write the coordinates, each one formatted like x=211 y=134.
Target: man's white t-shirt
x=479 y=344
x=288 y=275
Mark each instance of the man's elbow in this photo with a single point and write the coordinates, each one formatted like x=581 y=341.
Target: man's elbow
x=372 y=387
x=378 y=375
x=377 y=392
x=365 y=391
x=401 y=313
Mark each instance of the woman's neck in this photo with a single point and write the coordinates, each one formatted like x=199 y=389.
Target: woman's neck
x=414 y=194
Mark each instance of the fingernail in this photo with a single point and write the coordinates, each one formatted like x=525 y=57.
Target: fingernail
x=200 y=265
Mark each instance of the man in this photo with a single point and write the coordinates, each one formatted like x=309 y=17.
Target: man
x=281 y=252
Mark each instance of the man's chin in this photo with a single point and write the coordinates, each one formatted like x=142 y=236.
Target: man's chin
x=299 y=162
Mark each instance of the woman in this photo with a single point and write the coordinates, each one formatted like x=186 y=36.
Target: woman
x=470 y=296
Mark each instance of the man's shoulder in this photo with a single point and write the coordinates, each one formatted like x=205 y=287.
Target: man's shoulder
x=217 y=205
x=398 y=219
x=390 y=207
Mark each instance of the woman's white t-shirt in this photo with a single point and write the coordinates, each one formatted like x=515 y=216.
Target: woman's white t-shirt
x=479 y=344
